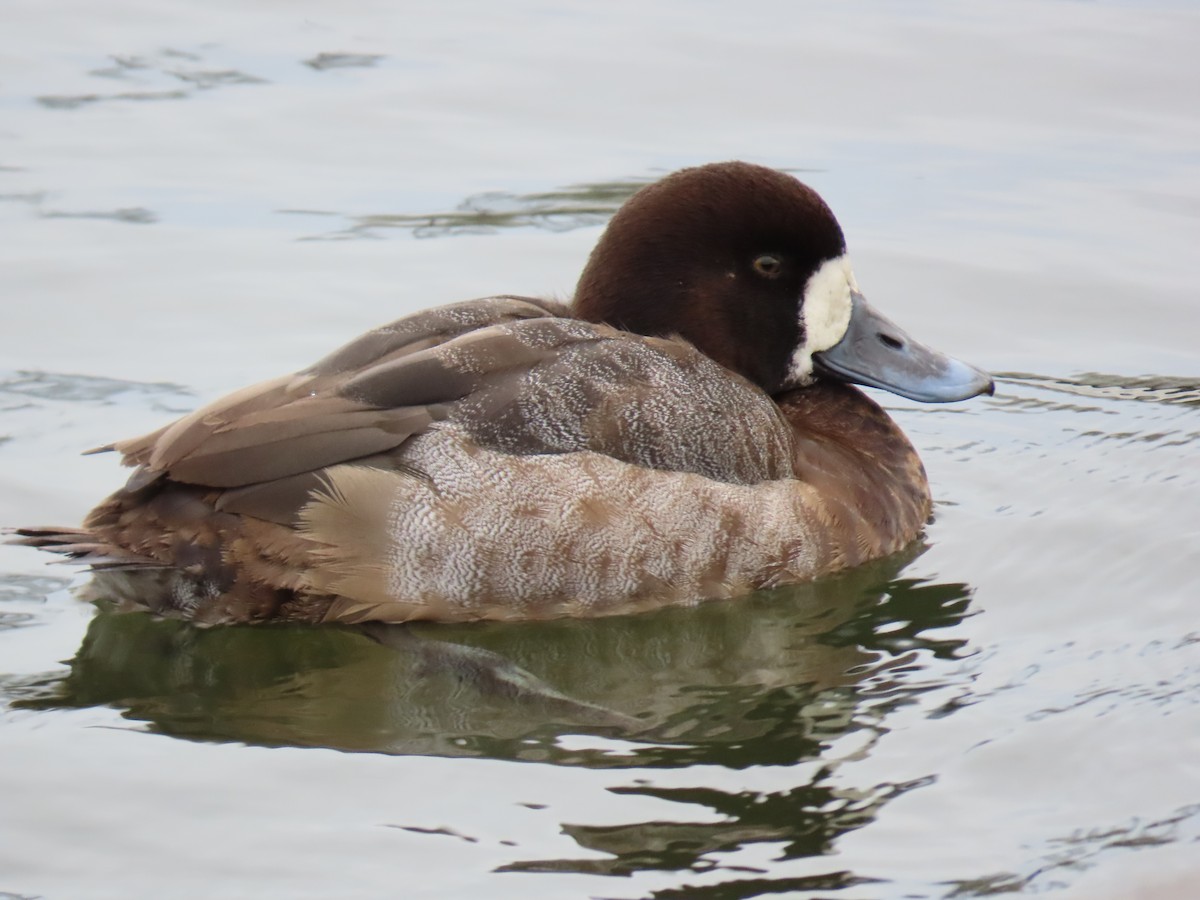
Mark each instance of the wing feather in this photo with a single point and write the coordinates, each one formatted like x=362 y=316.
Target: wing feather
x=363 y=400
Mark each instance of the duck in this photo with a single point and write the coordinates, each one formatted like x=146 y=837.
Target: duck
x=689 y=427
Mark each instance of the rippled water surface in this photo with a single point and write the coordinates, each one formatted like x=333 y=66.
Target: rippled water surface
x=195 y=196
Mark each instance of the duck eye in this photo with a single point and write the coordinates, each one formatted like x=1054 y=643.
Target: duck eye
x=768 y=264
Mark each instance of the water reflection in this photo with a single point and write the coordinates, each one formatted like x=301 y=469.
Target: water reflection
x=1080 y=849
x=575 y=206
x=769 y=680
x=804 y=820
x=23 y=596
x=61 y=386
x=1145 y=388
x=775 y=680
x=133 y=215
x=323 y=61
x=155 y=77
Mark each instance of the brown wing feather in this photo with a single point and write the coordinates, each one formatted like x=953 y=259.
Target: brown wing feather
x=366 y=398
x=518 y=376
x=250 y=456
x=429 y=328
x=449 y=371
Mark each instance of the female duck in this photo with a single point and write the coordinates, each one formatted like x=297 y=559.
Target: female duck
x=683 y=431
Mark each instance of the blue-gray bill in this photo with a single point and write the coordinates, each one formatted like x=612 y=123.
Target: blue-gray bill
x=876 y=352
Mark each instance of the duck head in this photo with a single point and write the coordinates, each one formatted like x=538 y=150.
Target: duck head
x=750 y=266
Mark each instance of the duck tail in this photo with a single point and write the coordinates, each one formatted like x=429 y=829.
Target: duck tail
x=81 y=546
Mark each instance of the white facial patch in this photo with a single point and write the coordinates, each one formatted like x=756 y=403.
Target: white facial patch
x=824 y=315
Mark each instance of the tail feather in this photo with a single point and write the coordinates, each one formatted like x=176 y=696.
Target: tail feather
x=80 y=546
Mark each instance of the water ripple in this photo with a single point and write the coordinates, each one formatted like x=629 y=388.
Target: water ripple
x=21 y=596
x=1080 y=850
x=134 y=215
x=1144 y=388
x=82 y=388
x=575 y=206
x=323 y=61
x=565 y=209
x=155 y=77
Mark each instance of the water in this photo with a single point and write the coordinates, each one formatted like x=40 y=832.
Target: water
x=194 y=197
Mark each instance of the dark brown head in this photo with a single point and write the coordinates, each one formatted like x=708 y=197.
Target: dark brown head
x=719 y=254
x=750 y=266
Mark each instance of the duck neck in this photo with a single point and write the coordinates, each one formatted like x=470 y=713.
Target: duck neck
x=748 y=338
x=861 y=464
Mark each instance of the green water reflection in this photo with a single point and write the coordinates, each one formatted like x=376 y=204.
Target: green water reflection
x=767 y=680
x=773 y=680
x=581 y=205
x=575 y=206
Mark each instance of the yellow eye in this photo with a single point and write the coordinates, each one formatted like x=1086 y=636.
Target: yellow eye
x=768 y=264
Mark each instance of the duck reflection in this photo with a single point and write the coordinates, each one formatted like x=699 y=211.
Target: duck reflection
x=771 y=680
x=765 y=680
